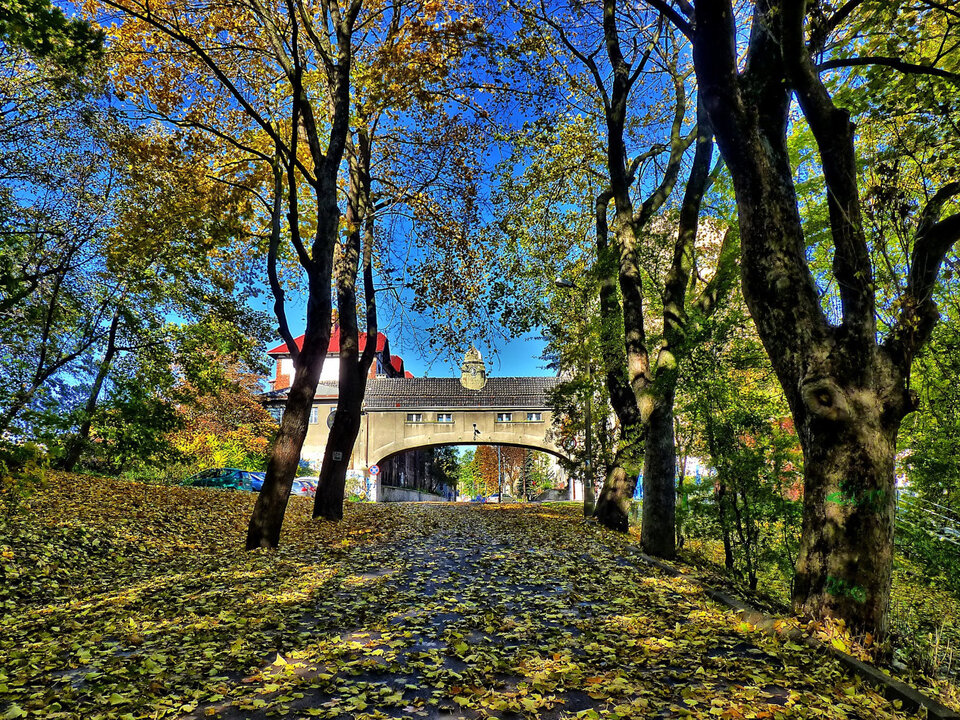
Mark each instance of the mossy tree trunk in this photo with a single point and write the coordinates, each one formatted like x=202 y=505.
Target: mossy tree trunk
x=848 y=392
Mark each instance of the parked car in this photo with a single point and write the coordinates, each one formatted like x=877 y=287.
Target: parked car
x=305 y=486
x=226 y=479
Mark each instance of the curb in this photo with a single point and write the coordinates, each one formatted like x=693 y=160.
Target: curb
x=892 y=689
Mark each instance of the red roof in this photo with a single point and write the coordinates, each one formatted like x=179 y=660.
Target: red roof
x=334 y=343
x=397 y=362
x=408 y=374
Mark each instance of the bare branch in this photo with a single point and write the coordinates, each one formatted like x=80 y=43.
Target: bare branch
x=674 y=17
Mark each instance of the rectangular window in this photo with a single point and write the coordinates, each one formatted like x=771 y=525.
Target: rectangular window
x=534 y=417
x=444 y=418
x=414 y=417
x=277 y=413
x=314 y=415
x=504 y=417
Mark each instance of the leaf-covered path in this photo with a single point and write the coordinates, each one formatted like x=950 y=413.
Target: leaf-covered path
x=135 y=601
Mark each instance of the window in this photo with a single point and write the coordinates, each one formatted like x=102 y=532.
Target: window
x=534 y=417
x=414 y=417
x=504 y=417
x=444 y=418
x=276 y=412
x=314 y=415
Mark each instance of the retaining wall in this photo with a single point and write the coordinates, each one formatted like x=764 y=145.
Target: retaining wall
x=399 y=494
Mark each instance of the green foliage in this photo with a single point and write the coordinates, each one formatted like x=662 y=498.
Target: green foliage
x=23 y=469
x=47 y=34
x=930 y=439
x=446 y=466
x=743 y=427
x=466 y=475
x=929 y=535
x=130 y=429
x=536 y=475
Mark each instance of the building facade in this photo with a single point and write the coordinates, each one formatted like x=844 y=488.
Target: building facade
x=404 y=418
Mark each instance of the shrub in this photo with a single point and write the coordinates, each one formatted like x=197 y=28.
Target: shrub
x=23 y=467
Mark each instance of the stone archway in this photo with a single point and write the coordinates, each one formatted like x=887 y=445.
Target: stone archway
x=401 y=475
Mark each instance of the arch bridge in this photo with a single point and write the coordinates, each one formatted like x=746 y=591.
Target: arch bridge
x=411 y=413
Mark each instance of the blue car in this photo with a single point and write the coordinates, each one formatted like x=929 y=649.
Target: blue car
x=226 y=479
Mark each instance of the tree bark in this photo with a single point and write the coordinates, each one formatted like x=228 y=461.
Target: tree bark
x=846 y=547
x=354 y=365
x=847 y=393
x=267 y=518
x=658 y=532
x=613 y=505
x=78 y=442
x=268 y=512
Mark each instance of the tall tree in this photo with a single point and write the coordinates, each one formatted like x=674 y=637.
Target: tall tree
x=56 y=192
x=171 y=246
x=273 y=83
x=641 y=365
x=387 y=94
x=847 y=386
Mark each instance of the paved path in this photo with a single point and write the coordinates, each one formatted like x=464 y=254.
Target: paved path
x=480 y=611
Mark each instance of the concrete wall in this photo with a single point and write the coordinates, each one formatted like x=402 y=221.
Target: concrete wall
x=317 y=433
x=397 y=494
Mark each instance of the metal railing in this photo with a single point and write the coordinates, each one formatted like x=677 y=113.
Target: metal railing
x=935 y=520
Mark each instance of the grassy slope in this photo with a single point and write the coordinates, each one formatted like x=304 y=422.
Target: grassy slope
x=924 y=617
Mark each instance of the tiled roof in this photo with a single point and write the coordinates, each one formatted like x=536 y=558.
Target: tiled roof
x=503 y=393
x=334 y=346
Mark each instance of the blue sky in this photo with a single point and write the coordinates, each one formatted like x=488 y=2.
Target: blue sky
x=516 y=357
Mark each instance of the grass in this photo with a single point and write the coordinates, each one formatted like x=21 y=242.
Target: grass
x=924 y=616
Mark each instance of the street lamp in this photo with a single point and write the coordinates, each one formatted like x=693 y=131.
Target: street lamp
x=589 y=501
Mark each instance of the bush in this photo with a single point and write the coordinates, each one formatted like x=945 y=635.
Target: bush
x=23 y=468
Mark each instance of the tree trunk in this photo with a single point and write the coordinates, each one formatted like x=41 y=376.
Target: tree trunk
x=847 y=394
x=354 y=366
x=78 y=442
x=658 y=531
x=267 y=518
x=846 y=547
x=613 y=503
x=328 y=502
